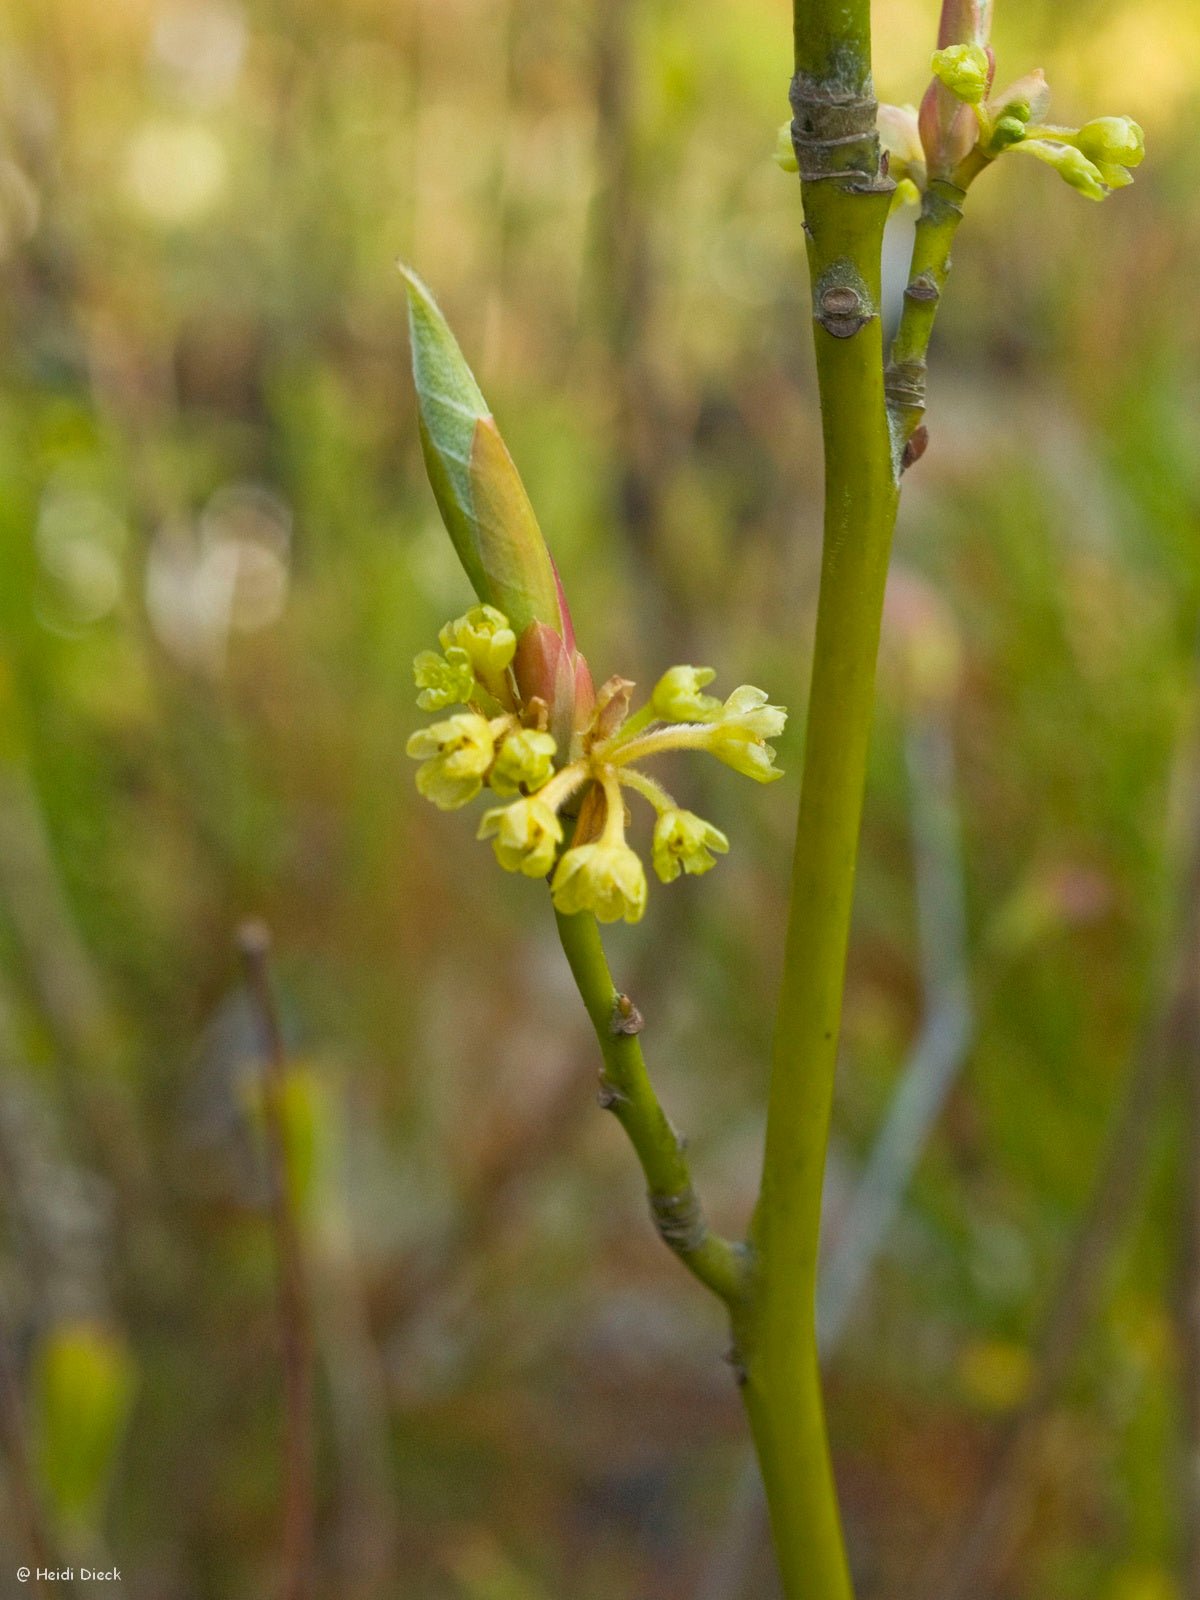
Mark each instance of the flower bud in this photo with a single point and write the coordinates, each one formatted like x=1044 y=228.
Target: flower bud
x=456 y=754
x=1007 y=131
x=525 y=836
x=965 y=69
x=606 y=879
x=447 y=680
x=524 y=760
x=1112 y=141
x=677 y=696
x=683 y=842
x=484 y=637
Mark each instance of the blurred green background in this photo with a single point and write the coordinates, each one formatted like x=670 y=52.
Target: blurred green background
x=219 y=556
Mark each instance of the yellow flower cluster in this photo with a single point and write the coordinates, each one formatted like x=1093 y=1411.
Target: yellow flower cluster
x=1094 y=159
x=499 y=742
x=964 y=124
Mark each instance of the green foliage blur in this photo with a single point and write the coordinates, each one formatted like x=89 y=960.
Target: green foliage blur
x=219 y=556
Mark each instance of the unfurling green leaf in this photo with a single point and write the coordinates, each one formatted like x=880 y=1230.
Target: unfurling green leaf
x=477 y=486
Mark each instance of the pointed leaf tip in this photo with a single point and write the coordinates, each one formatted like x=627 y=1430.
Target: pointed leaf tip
x=475 y=482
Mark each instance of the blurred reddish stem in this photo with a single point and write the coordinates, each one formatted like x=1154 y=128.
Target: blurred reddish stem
x=254 y=943
x=28 y=1514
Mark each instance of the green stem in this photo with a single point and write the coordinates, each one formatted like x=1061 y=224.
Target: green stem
x=941 y=213
x=845 y=205
x=626 y=1091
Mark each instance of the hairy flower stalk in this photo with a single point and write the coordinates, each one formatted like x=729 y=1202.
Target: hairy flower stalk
x=523 y=720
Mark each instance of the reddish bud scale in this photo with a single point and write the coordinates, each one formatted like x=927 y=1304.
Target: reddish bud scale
x=948 y=127
x=547 y=669
x=964 y=22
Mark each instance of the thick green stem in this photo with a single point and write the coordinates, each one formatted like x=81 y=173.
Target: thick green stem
x=626 y=1091
x=833 y=42
x=846 y=204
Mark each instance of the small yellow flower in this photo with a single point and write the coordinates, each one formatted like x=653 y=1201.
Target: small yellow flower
x=456 y=754
x=747 y=708
x=447 y=680
x=525 y=836
x=606 y=879
x=484 y=634
x=683 y=842
x=677 y=696
x=740 y=747
x=524 y=761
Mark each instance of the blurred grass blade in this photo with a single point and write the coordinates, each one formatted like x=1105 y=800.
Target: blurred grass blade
x=474 y=479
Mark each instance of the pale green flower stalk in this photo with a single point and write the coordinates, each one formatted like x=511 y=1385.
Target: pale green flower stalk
x=525 y=722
